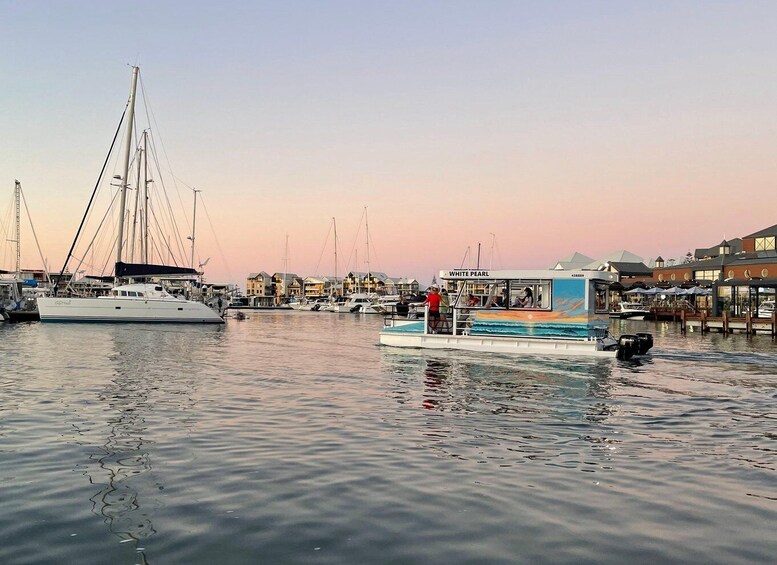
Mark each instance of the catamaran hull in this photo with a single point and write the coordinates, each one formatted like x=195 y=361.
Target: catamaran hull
x=490 y=344
x=125 y=311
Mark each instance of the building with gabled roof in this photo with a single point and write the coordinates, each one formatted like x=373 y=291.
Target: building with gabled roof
x=572 y=262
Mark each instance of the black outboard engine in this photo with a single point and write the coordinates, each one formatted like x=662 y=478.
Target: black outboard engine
x=628 y=345
x=645 y=342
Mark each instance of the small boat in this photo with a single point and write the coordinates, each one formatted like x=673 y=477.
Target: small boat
x=630 y=311
x=16 y=304
x=385 y=304
x=355 y=304
x=568 y=316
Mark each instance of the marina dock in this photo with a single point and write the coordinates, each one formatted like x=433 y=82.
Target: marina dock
x=726 y=324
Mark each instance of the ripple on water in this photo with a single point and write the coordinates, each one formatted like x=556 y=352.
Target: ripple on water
x=291 y=437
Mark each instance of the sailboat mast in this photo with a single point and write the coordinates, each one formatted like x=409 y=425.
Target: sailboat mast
x=125 y=169
x=194 y=222
x=135 y=210
x=17 y=201
x=286 y=267
x=493 y=241
x=145 y=196
x=367 y=231
x=334 y=224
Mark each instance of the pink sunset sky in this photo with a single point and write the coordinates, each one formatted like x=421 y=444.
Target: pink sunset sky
x=554 y=126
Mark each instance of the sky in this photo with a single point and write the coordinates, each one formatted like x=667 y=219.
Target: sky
x=534 y=129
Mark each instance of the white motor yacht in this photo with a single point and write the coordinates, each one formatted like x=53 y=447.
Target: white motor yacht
x=630 y=311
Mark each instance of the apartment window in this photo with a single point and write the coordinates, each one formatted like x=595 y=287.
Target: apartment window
x=765 y=243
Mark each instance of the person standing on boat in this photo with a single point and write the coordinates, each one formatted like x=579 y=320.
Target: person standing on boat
x=402 y=307
x=445 y=308
x=433 y=300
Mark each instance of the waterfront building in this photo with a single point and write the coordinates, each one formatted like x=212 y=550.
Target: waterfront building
x=742 y=272
x=286 y=285
x=259 y=284
x=407 y=286
x=372 y=282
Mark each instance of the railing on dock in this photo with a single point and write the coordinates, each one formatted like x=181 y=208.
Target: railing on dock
x=727 y=324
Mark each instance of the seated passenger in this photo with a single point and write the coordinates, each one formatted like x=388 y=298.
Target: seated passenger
x=525 y=299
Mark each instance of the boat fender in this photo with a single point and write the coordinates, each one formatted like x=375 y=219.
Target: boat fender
x=628 y=345
x=645 y=342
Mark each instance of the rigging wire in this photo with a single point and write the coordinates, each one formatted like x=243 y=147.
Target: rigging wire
x=152 y=118
x=91 y=199
x=34 y=235
x=215 y=239
x=174 y=227
x=323 y=248
x=91 y=243
x=355 y=239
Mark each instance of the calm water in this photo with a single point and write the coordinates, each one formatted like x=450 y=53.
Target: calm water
x=294 y=438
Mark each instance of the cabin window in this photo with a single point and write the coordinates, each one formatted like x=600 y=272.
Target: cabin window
x=158 y=288
x=530 y=294
x=140 y=294
x=115 y=293
x=132 y=293
x=124 y=293
x=600 y=297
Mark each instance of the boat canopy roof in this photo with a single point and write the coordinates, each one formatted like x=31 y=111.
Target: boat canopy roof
x=145 y=270
x=487 y=274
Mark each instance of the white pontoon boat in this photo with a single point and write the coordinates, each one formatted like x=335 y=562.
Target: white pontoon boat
x=568 y=316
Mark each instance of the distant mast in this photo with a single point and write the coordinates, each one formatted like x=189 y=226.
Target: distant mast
x=367 y=231
x=125 y=169
x=17 y=201
x=334 y=225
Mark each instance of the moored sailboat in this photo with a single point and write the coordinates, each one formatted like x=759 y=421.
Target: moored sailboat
x=133 y=302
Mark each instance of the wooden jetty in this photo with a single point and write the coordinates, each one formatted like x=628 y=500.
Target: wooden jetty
x=728 y=324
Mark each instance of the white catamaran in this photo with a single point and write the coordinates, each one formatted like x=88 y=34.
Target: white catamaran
x=134 y=302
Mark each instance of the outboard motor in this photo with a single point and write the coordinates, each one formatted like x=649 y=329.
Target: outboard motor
x=645 y=342
x=628 y=345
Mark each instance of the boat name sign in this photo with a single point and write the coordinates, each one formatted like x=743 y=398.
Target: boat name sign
x=466 y=274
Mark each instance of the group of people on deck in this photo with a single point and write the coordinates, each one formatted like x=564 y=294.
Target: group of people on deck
x=439 y=305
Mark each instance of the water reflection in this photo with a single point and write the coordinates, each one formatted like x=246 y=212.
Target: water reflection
x=510 y=410
x=129 y=490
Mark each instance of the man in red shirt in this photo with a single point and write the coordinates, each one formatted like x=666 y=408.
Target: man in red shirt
x=433 y=300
